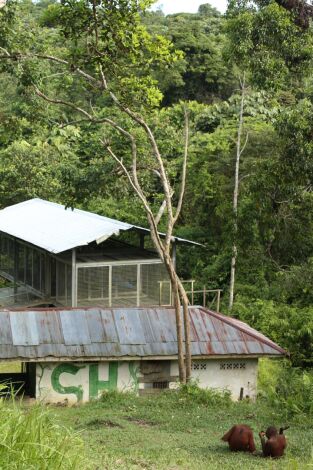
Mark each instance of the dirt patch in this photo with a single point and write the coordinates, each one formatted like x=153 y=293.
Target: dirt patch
x=140 y=421
x=98 y=423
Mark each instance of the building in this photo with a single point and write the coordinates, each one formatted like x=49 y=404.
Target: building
x=88 y=307
x=63 y=257
x=73 y=355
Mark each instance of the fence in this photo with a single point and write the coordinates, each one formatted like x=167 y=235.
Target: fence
x=123 y=284
x=205 y=297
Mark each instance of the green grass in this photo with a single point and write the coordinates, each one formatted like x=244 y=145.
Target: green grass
x=32 y=439
x=10 y=366
x=176 y=431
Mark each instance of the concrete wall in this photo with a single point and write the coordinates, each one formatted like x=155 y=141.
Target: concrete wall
x=230 y=374
x=81 y=382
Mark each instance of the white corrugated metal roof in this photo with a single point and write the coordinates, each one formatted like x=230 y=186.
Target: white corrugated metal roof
x=56 y=229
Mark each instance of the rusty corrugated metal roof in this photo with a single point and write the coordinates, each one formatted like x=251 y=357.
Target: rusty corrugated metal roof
x=90 y=333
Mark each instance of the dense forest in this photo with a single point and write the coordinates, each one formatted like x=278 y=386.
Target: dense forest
x=250 y=66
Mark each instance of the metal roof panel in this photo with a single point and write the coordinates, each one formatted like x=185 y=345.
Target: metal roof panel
x=110 y=332
x=95 y=325
x=6 y=334
x=123 y=332
x=49 y=327
x=74 y=327
x=128 y=326
x=24 y=328
x=56 y=228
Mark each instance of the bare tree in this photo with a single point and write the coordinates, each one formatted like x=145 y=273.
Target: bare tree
x=239 y=150
x=167 y=209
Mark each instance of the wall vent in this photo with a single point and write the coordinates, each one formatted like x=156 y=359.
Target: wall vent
x=232 y=365
x=160 y=385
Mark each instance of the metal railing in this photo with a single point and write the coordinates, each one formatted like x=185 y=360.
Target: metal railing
x=195 y=294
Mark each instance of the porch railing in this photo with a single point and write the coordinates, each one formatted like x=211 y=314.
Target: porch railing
x=205 y=297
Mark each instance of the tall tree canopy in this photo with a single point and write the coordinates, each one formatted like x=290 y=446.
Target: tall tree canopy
x=160 y=64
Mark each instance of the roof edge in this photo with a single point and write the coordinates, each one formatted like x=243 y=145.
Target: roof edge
x=224 y=318
x=126 y=358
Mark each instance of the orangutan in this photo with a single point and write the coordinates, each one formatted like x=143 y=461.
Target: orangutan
x=240 y=437
x=276 y=442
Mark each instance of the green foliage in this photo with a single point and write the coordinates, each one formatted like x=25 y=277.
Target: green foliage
x=202 y=73
x=288 y=389
x=265 y=40
x=289 y=326
x=295 y=126
x=191 y=392
x=113 y=397
x=31 y=439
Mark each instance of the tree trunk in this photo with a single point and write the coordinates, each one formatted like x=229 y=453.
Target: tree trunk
x=177 y=306
x=239 y=151
x=185 y=302
x=179 y=332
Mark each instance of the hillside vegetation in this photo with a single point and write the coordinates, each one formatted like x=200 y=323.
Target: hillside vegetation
x=49 y=150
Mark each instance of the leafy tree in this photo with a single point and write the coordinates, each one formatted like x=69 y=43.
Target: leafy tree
x=202 y=74
x=106 y=40
x=264 y=39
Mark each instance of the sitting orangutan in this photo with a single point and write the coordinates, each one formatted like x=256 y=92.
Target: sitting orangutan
x=240 y=437
x=275 y=444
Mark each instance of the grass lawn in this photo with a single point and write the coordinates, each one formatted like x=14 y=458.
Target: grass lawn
x=173 y=432
x=10 y=366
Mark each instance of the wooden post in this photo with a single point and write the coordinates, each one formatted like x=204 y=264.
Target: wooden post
x=74 y=279
x=204 y=296
x=218 y=301
x=192 y=292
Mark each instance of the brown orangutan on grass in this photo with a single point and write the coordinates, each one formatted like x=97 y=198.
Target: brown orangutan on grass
x=240 y=438
x=276 y=442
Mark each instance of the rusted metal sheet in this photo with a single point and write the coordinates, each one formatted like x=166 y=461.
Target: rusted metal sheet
x=49 y=328
x=161 y=323
x=128 y=325
x=204 y=325
x=84 y=334
x=95 y=326
x=110 y=332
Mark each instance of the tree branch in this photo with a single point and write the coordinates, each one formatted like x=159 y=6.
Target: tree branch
x=62 y=102
x=245 y=144
x=184 y=172
x=138 y=191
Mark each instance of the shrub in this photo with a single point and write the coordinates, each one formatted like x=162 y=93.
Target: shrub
x=191 y=392
x=287 y=388
x=289 y=326
x=116 y=396
x=31 y=439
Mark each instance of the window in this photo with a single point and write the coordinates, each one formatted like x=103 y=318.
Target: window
x=198 y=366
x=232 y=365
